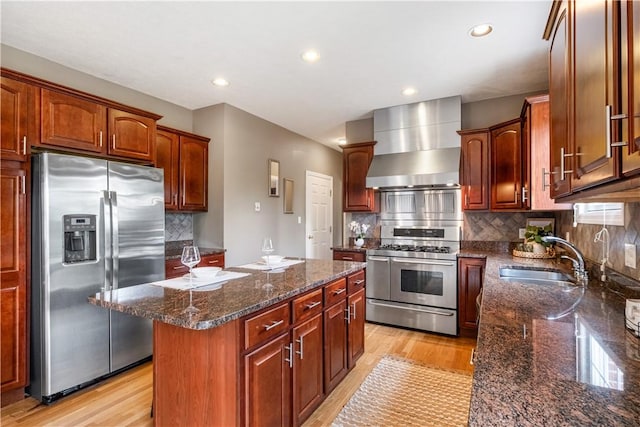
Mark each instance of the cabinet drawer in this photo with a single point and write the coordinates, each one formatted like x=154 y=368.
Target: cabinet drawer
x=335 y=292
x=306 y=306
x=263 y=326
x=174 y=268
x=348 y=256
x=215 y=260
x=355 y=282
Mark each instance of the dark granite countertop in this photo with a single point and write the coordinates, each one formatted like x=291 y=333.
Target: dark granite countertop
x=233 y=300
x=581 y=369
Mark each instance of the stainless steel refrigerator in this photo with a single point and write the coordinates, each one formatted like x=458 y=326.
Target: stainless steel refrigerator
x=96 y=225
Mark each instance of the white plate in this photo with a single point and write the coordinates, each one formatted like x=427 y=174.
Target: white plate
x=204 y=272
x=272 y=259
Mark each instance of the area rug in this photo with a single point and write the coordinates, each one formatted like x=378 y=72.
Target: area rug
x=401 y=392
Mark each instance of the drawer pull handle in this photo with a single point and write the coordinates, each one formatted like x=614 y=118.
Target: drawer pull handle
x=289 y=349
x=358 y=282
x=347 y=314
x=273 y=325
x=215 y=261
x=301 y=352
x=339 y=291
x=347 y=258
x=179 y=267
x=312 y=305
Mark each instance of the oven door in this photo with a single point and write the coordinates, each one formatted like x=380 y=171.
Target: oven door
x=424 y=281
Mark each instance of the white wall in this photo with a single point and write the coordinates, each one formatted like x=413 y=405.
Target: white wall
x=248 y=141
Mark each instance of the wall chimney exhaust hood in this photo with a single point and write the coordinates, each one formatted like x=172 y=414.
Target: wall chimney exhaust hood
x=417 y=145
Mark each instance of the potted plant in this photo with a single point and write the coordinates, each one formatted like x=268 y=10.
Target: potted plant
x=533 y=236
x=359 y=230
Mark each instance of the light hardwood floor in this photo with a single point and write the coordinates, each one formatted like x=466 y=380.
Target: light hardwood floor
x=124 y=400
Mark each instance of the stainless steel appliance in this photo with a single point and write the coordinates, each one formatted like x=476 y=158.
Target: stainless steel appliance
x=97 y=225
x=412 y=276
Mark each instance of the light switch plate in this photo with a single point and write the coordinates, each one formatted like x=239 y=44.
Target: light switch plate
x=630 y=255
x=257 y=207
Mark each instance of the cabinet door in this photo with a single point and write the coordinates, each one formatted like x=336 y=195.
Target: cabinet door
x=594 y=41
x=356 y=196
x=307 y=368
x=13 y=280
x=335 y=345
x=71 y=122
x=131 y=136
x=167 y=158
x=356 y=327
x=630 y=85
x=194 y=159
x=559 y=95
x=506 y=166
x=19 y=119
x=470 y=277
x=267 y=388
x=475 y=171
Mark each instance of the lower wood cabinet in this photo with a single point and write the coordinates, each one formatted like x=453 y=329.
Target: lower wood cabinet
x=287 y=375
x=470 y=279
x=13 y=280
x=339 y=255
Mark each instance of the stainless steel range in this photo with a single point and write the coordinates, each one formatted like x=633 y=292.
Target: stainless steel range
x=412 y=276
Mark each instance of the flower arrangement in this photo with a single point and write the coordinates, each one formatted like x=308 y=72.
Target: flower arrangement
x=359 y=230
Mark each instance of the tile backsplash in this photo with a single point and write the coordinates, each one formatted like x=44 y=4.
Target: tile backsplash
x=497 y=226
x=178 y=226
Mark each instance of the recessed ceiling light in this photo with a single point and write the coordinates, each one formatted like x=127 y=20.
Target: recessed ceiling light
x=480 y=30
x=310 y=56
x=409 y=91
x=342 y=141
x=220 y=82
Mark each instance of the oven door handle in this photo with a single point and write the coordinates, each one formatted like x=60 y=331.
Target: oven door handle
x=421 y=310
x=377 y=258
x=422 y=261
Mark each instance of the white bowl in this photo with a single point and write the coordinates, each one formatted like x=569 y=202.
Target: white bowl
x=272 y=259
x=205 y=272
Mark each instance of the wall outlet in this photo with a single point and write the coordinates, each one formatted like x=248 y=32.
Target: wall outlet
x=299 y=220
x=521 y=232
x=257 y=207
x=630 y=255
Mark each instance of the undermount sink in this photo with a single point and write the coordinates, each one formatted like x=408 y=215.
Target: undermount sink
x=535 y=275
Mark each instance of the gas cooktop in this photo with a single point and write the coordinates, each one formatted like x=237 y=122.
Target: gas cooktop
x=411 y=248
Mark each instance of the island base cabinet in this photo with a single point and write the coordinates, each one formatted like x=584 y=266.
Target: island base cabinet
x=307 y=368
x=356 y=326
x=195 y=375
x=268 y=384
x=335 y=345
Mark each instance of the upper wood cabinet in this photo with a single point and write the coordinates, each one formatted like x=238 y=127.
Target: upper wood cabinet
x=507 y=165
x=535 y=140
x=185 y=160
x=20 y=119
x=356 y=196
x=72 y=122
x=593 y=85
x=13 y=278
x=470 y=279
x=474 y=171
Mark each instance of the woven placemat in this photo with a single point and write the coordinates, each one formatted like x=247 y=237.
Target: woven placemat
x=401 y=392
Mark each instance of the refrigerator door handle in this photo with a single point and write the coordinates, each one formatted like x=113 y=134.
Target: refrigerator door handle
x=115 y=251
x=105 y=209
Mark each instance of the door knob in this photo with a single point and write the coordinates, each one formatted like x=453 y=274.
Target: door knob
x=310 y=236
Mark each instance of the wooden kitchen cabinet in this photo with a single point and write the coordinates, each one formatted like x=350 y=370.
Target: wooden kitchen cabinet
x=535 y=141
x=470 y=279
x=356 y=159
x=507 y=166
x=267 y=386
x=475 y=169
x=593 y=97
x=308 y=389
x=20 y=114
x=356 y=311
x=131 y=136
x=335 y=345
x=13 y=280
x=185 y=160
x=339 y=255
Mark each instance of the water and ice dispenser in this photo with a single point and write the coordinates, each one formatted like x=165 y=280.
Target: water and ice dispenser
x=79 y=238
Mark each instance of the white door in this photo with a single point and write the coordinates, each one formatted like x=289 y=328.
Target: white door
x=319 y=210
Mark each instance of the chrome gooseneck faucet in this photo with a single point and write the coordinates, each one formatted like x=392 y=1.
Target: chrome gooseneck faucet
x=578 y=264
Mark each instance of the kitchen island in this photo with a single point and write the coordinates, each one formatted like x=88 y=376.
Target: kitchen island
x=237 y=359
x=581 y=368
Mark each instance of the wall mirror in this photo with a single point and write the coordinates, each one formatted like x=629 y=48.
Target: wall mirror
x=274 y=178
x=287 y=185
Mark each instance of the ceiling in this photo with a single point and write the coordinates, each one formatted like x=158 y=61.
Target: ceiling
x=369 y=52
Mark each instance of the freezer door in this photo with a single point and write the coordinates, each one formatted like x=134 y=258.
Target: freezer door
x=70 y=344
x=137 y=206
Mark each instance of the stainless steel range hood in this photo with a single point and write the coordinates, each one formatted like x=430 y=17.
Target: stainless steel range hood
x=417 y=145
